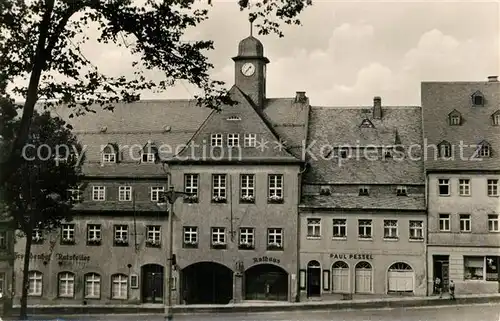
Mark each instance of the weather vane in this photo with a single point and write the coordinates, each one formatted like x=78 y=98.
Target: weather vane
x=252 y=19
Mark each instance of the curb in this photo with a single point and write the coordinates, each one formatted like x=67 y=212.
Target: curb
x=317 y=306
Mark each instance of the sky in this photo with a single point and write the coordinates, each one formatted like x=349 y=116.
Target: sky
x=346 y=52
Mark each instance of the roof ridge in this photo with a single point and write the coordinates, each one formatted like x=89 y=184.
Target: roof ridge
x=366 y=107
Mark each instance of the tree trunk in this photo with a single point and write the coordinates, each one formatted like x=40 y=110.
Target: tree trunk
x=24 y=296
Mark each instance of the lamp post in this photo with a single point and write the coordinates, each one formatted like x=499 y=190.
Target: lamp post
x=171 y=196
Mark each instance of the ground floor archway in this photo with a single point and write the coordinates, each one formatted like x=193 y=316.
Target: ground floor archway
x=266 y=282
x=400 y=278
x=363 y=277
x=340 y=277
x=207 y=283
x=152 y=283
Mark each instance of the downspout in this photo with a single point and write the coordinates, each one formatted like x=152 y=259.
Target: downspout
x=299 y=192
x=426 y=239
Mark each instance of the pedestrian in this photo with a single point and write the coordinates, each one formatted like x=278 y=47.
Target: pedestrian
x=437 y=285
x=452 y=290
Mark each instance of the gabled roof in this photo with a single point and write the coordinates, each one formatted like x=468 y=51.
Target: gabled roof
x=454 y=112
x=378 y=202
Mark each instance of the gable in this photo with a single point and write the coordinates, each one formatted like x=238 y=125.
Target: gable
x=454 y=112
x=366 y=123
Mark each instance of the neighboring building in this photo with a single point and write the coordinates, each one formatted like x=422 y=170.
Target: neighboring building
x=362 y=217
x=463 y=172
x=234 y=236
x=6 y=264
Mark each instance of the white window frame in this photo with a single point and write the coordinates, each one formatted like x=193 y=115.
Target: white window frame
x=219 y=185
x=108 y=157
x=155 y=193
x=233 y=140
x=492 y=187
x=339 y=226
x=364 y=191
x=68 y=232
x=247 y=236
x=93 y=232
x=444 y=222
x=37 y=235
x=99 y=193
x=464 y=187
x=247 y=185
x=190 y=235
x=444 y=182
x=148 y=158
x=125 y=193
x=402 y=190
x=191 y=182
x=416 y=230
x=250 y=140
x=484 y=151
x=218 y=236
x=465 y=222
x=94 y=280
x=275 y=186
x=496 y=119
x=455 y=119
x=313 y=228
x=275 y=237
x=35 y=283
x=365 y=225
x=493 y=223
x=391 y=229
x=74 y=194
x=445 y=150
x=119 y=280
x=120 y=232
x=216 y=140
x=66 y=282
x=153 y=233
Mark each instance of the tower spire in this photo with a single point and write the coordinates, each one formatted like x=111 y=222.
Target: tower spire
x=251 y=28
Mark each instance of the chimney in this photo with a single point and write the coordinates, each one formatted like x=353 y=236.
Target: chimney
x=300 y=97
x=492 y=78
x=377 y=107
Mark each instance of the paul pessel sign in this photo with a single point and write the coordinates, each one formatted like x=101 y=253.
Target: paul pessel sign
x=58 y=257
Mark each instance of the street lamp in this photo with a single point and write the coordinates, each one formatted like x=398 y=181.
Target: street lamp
x=170 y=196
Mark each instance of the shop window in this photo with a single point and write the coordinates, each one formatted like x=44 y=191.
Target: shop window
x=474 y=267
x=492 y=263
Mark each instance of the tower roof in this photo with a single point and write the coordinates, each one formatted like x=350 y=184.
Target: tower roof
x=250 y=47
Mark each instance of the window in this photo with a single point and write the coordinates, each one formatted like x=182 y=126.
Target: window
x=388 y=154
x=92 y=286
x=68 y=234
x=343 y=152
x=247 y=238
x=74 y=194
x=275 y=185
x=218 y=237
x=455 y=120
x=493 y=223
x=3 y=239
x=156 y=191
x=153 y=233
x=492 y=265
x=219 y=188
x=121 y=235
x=119 y=286
x=2 y=284
x=37 y=236
x=477 y=99
x=364 y=191
x=339 y=228
x=247 y=188
x=190 y=236
x=493 y=187
x=250 y=140
x=465 y=223
x=125 y=193
x=444 y=222
x=314 y=228
x=35 y=279
x=416 y=230
x=93 y=234
x=364 y=229
x=401 y=191
x=148 y=157
x=444 y=187
x=216 y=140
x=191 y=187
x=464 y=187
x=66 y=285
x=496 y=118
x=98 y=193
x=233 y=140
x=445 y=149
x=275 y=239
x=390 y=229
x=483 y=150
x=108 y=157
x=473 y=267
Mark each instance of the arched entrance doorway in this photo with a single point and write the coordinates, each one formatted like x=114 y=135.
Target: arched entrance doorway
x=313 y=279
x=340 y=277
x=207 y=283
x=363 y=277
x=400 y=278
x=152 y=283
x=266 y=282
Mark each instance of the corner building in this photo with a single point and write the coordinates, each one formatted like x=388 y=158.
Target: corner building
x=461 y=122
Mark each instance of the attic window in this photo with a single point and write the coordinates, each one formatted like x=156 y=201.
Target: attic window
x=401 y=191
x=364 y=191
x=455 y=118
x=343 y=153
x=233 y=118
x=149 y=153
x=388 y=153
x=477 y=99
x=496 y=118
x=109 y=154
x=366 y=123
x=483 y=150
x=148 y=158
x=444 y=149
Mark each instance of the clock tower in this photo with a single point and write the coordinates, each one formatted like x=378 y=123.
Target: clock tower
x=250 y=70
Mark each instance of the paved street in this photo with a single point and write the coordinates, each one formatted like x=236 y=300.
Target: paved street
x=483 y=312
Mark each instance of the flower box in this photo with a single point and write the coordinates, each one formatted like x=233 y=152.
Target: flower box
x=66 y=241
x=274 y=199
x=218 y=199
x=246 y=246
x=219 y=246
x=94 y=241
x=153 y=243
x=191 y=199
x=191 y=245
x=247 y=199
x=275 y=246
x=121 y=242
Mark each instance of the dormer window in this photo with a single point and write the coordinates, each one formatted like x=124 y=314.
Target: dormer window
x=477 y=99
x=483 y=150
x=496 y=118
x=364 y=191
x=149 y=153
x=401 y=191
x=148 y=158
x=343 y=152
x=233 y=118
x=366 y=123
x=110 y=153
x=387 y=153
x=455 y=118
x=444 y=149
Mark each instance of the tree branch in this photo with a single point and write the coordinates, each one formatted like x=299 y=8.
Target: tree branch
x=52 y=41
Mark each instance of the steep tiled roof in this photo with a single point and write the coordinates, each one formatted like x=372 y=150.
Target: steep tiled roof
x=380 y=202
x=438 y=100
x=331 y=127
x=120 y=206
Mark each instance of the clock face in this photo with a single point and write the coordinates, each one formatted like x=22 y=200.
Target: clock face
x=248 y=69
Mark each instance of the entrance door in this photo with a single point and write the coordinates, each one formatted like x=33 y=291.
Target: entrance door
x=266 y=282
x=207 y=283
x=340 y=277
x=442 y=270
x=152 y=285
x=313 y=279
x=400 y=277
x=363 y=277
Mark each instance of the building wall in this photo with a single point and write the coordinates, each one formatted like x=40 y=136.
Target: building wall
x=6 y=267
x=141 y=189
x=383 y=253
